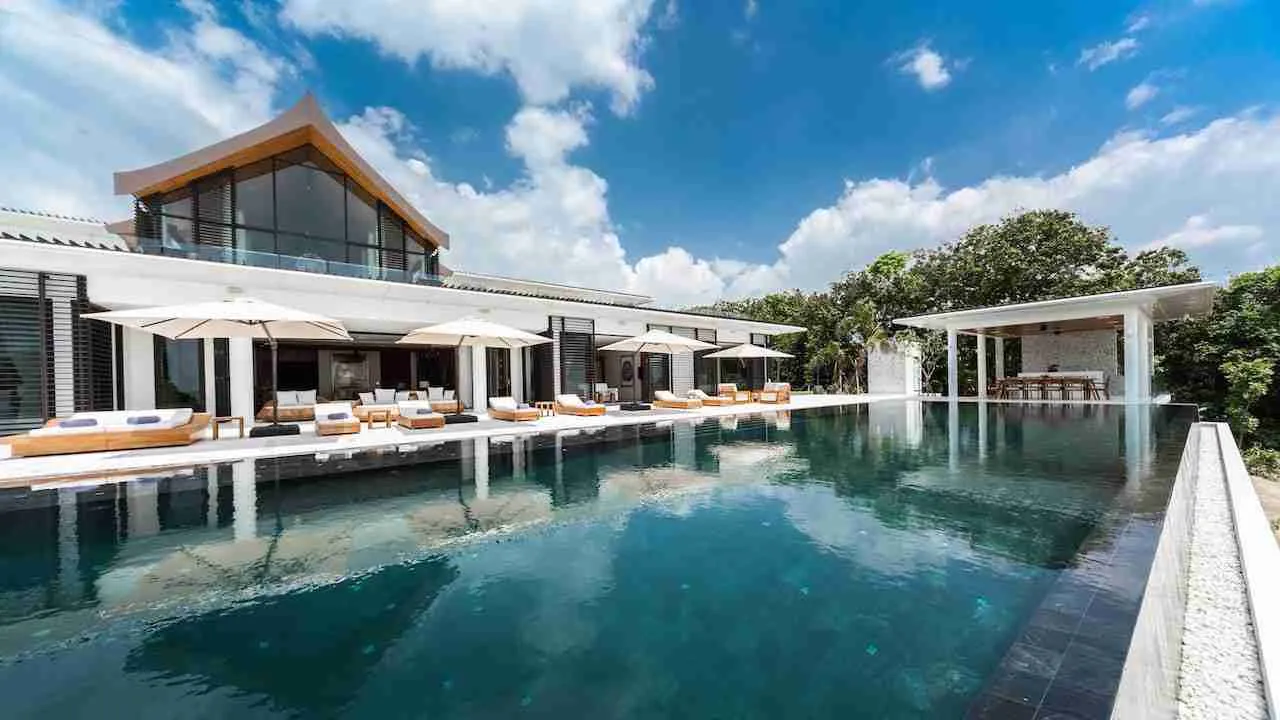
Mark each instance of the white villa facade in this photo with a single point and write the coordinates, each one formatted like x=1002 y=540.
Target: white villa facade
x=289 y=213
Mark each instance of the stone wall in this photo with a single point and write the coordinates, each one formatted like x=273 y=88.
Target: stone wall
x=894 y=369
x=1092 y=350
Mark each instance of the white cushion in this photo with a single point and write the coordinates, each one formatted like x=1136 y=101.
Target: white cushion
x=286 y=398
x=697 y=394
x=366 y=398
x=502 y=403
x=323 y=410
x=411 y=407
x=435 y=393
x=383 y=396
x=402 y=395
x=448 y=395
x=46 y=431
x=306 y=397
x=569 y=400
x=664 y=395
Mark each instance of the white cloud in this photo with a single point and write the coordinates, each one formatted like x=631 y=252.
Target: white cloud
x=1140 y=95
x=549 y=47
x=1180 y=114
x=928 y=67
x=1199 y=231
x=1108 y=52
x=1138 y=23
x=81 y=102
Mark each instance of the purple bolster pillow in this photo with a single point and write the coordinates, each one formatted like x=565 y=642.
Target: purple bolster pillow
x=143 y=420
x=78 y=422
x=338 y=416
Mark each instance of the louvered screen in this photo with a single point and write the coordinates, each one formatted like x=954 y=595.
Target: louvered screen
x=52 y=362
x=391 y=235
x=704 y=368
x=215 y=211
x=682 y=364
x=657 y=368
x=577 y=354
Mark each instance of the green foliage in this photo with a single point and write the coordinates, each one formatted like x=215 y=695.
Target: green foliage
x=1263 y=461
x=1247 y=382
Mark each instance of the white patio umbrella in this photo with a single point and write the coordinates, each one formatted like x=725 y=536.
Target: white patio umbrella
x=235 y=317
x=663 y=343
x=472 y=332
x=747 y=351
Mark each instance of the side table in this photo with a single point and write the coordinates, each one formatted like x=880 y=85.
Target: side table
x=219 y=421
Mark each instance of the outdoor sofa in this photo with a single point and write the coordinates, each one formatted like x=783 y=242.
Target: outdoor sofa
x=111 y=430
x=295 y=406
x=573 y=405
x=731 y=391
x=505 y=408
x=668 y=399
x=336 y=418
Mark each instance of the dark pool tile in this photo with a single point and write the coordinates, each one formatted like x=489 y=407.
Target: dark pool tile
x=990 y=707
x=1069 y=595
x=1068 y=703
x=1089 y=669
x=1053 y=619
x=1018 y=686
x=1032 y=660
x=1048 y=638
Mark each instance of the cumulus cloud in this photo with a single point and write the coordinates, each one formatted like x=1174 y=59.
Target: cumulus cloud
x=927 y=66
x=1140 y=95
x=1199 y=231
x=547 y=46
x=1107 y=52
x=1138 y=23
x=82 y=102
x=1180 y=114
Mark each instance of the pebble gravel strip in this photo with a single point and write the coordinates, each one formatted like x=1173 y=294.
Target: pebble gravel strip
x=1220 y=676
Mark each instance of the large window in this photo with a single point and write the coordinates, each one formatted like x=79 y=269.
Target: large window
x=179 y=373
x=295 y=211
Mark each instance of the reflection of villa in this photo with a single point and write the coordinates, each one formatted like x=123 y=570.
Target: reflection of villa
x=1078 y=348
x=289 y=213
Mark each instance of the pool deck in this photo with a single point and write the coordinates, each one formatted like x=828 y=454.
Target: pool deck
x=24 y=472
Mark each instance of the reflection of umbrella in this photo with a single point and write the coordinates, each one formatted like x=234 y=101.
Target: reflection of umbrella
x=236 y=317
x=472 y=332
x=663 y=343
x=746 y=351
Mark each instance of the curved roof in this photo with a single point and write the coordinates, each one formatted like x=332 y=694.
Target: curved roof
x=303 y=124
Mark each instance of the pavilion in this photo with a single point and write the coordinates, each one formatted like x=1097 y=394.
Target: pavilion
x=1082 y=334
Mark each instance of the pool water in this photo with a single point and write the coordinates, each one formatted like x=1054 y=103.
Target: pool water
x=869 y=561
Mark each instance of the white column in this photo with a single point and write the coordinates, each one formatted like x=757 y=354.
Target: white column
x=953 y=366
x=68 y=546
x=982 y=434
x=479 y=391
x=1137 y=367
x=240 y=366
x=211 y=488
x=481 y=450
x=139 y=370
x=464 y=376
x=210 y=381
x=142 y=499
x=999 y=350
x=64 y=364
x=982 y=366
x=517 y=374
x=244 y=500
x=953 y=434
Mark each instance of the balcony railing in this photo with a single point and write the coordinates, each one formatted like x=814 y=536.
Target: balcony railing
x=312 y=264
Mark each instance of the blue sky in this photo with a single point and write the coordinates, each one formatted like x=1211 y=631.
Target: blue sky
x=690 y=150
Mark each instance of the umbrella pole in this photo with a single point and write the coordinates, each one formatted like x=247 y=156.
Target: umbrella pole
x=457 y=362
x=275 y=428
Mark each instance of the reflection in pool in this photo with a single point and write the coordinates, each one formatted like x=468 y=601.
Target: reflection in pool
x=871 y=561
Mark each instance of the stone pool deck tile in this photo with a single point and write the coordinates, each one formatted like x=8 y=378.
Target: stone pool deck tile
x=21 y=472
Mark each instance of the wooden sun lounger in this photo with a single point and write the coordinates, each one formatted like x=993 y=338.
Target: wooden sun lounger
x=517 y=415
x=581 y=409
x=29 y=446
x=676 y=403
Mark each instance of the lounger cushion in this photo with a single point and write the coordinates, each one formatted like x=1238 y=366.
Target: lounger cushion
x=60 y=430
x=435 y=393
x=384 y=396
x=306 y=397
x=286 y=398
x=143 y=420
x=698 y=394
x=366 y=398
x=569 y=400
x=448 y=395
x=665 y=396
x=502 y=403
x=81 y=422
x=402 y=395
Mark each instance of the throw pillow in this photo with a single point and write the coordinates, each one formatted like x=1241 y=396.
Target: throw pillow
x=306 y=397
x=79 y=422
x=384 y=396
x=338 y=416
x=366 y=398
x=286 y=398
x=143 y=419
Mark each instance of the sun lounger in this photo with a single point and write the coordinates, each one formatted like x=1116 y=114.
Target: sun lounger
x=505 y=408
x=668 y=399
x=336 y=418
x=113 y=430
x=710 y=400
x=573 y=405
x=731 y=391
x=418 y=415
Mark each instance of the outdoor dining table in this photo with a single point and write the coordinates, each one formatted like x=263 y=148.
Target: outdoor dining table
x=1084 y=385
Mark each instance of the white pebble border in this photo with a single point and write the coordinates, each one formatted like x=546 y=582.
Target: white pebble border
x=1220 y=676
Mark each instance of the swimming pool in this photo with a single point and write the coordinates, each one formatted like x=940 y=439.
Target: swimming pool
x=888 y=560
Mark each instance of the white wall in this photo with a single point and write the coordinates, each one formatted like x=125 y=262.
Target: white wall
x=893 y=369
x=1091 y=350
x=139 y=370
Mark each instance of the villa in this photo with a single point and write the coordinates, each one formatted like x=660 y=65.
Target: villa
x=289 y=213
